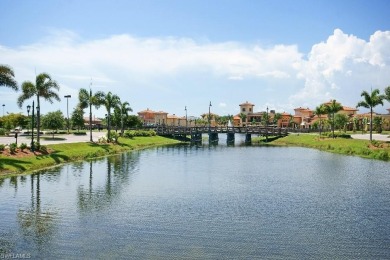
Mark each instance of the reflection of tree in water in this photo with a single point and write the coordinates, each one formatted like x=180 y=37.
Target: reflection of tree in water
x=37 y=225
x=119 y=170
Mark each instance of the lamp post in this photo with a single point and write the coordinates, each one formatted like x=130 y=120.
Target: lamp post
x=266 y=127
x=3 y=109
x=67 y=110
x=185 y=108
x=209 y=116
x=32 y=125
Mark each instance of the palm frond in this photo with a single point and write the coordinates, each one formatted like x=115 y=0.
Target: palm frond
x=28 y=91
x=7 y=77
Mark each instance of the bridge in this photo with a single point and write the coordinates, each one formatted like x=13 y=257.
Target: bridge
x=181 y=132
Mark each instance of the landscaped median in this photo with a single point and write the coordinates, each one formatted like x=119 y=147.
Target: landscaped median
x=363 y=148
x=62 y=153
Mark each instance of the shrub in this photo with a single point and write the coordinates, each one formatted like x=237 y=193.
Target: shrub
x=102 y=140
x=12 y=147
x=43 y=148
x=382 y=155
x=2 y=131
x=2 y=147
x=144 y=133
x=80 y=133
x=37 y=146
x=23 y=146
x=129 y=134
x=113 y=137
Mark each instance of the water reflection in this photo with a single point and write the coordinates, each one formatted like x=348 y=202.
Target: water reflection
x=119 y=168
x=37 y=224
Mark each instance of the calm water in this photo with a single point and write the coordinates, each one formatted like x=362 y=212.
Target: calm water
x=206 y=203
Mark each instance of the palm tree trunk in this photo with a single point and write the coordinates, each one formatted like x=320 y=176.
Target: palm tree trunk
x=38 y=120
x=90 y=121
x=371 y=124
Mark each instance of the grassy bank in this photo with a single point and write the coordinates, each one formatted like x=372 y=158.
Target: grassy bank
x=362 y=148
x=62 y=153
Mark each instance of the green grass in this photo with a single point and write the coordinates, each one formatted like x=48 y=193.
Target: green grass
x=362 y=148
x=76 y=151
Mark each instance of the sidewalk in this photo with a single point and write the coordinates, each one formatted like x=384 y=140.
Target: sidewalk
x=68 y=139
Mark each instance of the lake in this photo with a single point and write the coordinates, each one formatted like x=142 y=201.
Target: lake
x=207 y=202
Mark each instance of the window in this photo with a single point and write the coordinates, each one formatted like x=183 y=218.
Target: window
x=243 y=109
x=250 y=109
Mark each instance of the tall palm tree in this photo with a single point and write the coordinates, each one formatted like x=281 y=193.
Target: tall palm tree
x=44 y=87
x=7 y=77
x=124 y=110
x=332 y=109
x=319 y=111
x=109 y=101
x=370 y=101
x=86 y=99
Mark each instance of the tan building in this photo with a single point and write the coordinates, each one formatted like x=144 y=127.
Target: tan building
x=150 y=117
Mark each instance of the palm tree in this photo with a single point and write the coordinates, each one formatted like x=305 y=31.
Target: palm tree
x=332 y=109
x=276 y=118
x=7 y=77
x=86 y=99
x=44 y=87
x=370 y=101
x=124 y=110
x=387 y=93
x=109 y=101
x=319 y=111
x=243 y=118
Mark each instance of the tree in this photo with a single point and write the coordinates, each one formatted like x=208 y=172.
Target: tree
x=340 y=121
x=319 y=111
x=378 y=121
x=53 y=121
x=44 y=87
x=133 y=121
x=332 y=109
x=86 y=99
x=109 y=101
x=7 y=77
x=125 y=109
x=77 y=118
x=370 y=101
x=277 y=116
x=243 y=117
x=387 y=93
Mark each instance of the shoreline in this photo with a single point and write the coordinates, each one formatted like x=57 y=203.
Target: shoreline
x=72 y=152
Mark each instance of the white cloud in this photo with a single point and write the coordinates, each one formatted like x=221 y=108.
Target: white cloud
x=343 y=66
x=157 y=72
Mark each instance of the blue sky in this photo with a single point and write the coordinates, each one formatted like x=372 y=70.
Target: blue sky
x=165 y=55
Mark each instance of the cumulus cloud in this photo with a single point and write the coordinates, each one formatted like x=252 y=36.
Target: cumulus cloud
x=340 y=67
x=343 y=66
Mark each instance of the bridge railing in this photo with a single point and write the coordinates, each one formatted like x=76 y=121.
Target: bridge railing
x=182 y=130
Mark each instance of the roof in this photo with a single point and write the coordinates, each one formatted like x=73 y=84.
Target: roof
x=303 y=109
x=349 y=109
x=146 y=111
x=247 y=104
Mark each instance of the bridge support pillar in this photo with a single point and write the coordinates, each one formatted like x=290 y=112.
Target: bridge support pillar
x=196 y=138
x=248 y=139
x=213 y=138
x=230 y=139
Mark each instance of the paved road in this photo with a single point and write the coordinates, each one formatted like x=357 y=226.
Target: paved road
x=377 y=137
x=68 y=139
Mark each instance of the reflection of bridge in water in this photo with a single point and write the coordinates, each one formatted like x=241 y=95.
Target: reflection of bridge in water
x=195 y=133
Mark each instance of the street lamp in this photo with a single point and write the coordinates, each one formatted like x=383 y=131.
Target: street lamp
x=67 y=109
x=3 y=109
x=185 y=108
x=209 y=116
x=266 y=127
x=32 y=125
